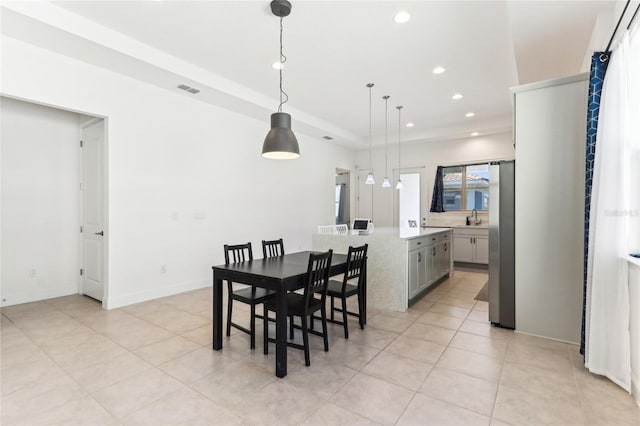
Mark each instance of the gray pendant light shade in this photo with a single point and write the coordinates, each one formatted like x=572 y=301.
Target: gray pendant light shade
x=280 y=143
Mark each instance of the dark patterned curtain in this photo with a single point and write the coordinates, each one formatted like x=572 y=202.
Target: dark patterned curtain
x=599 y=63
x=437 y=201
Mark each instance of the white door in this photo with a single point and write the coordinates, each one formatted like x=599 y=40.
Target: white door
x=409 y=201
x=92 y=208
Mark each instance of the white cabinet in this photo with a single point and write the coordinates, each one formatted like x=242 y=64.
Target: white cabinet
x=471 y=245
x=417 y=271
x=429 y=260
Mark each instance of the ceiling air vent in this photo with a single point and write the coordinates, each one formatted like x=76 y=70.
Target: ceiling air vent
x=188 y=89
x=329 y=138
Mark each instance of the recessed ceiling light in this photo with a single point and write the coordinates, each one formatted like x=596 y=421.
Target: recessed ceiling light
x=410 y=124
x=475 y=134
x=469 y=114
x=438 y=70
x=402 y=17
x=457 y=96
x=277 y=65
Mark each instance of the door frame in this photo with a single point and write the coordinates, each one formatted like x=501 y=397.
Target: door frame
x=105 y=209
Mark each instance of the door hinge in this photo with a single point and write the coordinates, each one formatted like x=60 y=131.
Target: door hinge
x=81 y=144
x=81 y=271
x=81 y=229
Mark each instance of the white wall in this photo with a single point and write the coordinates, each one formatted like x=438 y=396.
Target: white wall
x=184 y=177
x=40 y=202
x=429 y=155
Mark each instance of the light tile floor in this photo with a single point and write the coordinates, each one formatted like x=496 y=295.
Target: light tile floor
x=66 y=361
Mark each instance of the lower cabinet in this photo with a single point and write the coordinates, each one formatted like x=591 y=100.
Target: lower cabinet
x=429 y=260
x=471 y=245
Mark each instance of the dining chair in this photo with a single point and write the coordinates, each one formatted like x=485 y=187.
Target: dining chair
x=356 y=269
x=304 y=305
x=252 y=296
x=272 y=248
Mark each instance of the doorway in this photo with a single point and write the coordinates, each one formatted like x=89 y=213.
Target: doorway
x=343 y=197
x=409 y=201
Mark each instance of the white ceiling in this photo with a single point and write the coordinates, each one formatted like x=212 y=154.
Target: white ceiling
x=226 y=48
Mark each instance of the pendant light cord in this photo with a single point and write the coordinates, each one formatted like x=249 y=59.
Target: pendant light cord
x=386 y=135
x=399 y=126
x=370 y=85
x=283 y=95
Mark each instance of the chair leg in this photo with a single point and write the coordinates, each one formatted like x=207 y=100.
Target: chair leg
x=344 y=317
x=305 y=340
x=291 y=327
x=360 y=308
x=229 y=309
x=266 y=331
x=325 y=334
x=252 y=326
x=332 y=309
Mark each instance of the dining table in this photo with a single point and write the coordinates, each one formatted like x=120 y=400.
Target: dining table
x=281 y=274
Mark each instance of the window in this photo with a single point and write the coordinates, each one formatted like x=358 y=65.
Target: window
x=466 y=187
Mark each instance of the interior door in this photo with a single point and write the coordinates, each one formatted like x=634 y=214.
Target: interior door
x=92 y=210
x=409 y=200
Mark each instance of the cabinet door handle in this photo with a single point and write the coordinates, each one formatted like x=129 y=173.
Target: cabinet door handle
x=470 y=240
x=419 y=242
x=419 y=257
x=445 y=246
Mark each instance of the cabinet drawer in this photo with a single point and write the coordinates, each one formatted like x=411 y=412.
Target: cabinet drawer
x=445 y=236
x=417 y=243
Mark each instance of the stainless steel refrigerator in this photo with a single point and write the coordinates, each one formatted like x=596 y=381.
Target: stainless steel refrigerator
x=502 y=300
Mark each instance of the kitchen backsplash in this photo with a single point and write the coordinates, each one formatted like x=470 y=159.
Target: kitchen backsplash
x=450 y=219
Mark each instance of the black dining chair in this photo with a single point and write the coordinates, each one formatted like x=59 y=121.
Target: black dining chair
x=356 y=269
x=272 y=248
x=304 y=305
x=250 y=295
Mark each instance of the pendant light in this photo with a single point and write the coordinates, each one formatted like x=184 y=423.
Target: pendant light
x=399 y=184
x=281 y=143
x=370 y=180
x=386 y=183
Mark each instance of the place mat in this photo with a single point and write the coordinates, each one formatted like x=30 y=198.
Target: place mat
x=483 y=294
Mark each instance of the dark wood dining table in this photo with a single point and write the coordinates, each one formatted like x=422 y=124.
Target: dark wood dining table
x=281 y=274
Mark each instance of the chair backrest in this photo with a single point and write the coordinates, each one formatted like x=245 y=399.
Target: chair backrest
x=273 y=248
x=318 y=276
x=356 y=261
x=237 y=253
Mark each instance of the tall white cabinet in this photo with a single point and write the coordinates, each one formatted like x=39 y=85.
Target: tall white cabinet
x=550 y=134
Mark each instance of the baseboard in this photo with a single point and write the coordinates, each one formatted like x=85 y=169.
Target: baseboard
x=635 y=387
x=547 y=337
x=143 y=296
x=16 y=299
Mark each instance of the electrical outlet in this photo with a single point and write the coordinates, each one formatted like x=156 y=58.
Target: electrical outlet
x=163 y=269
x=33 y=273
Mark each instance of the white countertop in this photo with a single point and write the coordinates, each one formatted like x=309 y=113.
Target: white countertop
x=410 y=233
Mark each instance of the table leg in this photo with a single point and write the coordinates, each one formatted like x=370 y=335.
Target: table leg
x=364 y=294
x=281 y=333
x=217 y=313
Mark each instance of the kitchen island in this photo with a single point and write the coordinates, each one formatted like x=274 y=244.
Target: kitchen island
x=402 y=264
